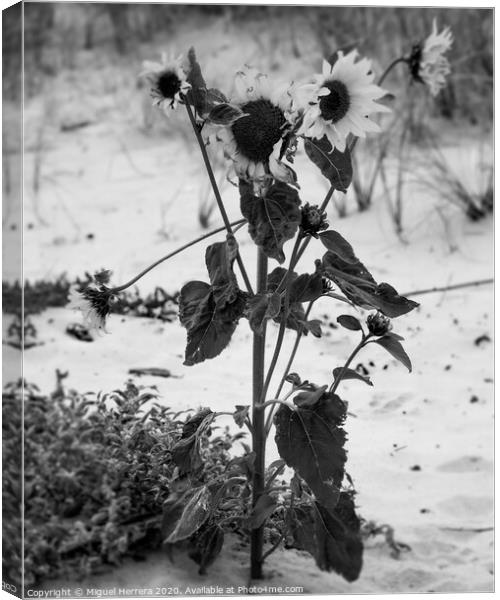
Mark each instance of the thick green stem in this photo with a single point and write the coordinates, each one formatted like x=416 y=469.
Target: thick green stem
x=258 y=437
x=215 y=189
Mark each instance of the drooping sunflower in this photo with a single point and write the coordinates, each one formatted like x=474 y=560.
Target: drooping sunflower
x=340 y=100
x=94 y=303
x=427 y=63
x=254 y=141
x=167 y=79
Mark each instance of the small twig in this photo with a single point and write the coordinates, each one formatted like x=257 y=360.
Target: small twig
x=471 y=529
x=446 y=288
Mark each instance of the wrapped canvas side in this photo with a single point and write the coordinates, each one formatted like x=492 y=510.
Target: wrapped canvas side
x=12 y=308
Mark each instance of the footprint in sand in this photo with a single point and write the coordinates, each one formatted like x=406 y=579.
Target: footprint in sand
x=467 y=511
x=382 y=406
x=466 y=464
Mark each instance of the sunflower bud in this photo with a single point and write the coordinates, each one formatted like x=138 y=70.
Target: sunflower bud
x=327 y=285
x=378 y=324
x=313 y=220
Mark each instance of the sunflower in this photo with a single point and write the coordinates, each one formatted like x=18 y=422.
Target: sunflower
x=340 y=100
x=256 y=141
x=167 y=80
x=427 y=63
x=94 y=303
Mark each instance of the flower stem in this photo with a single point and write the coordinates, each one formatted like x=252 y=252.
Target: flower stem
x=281 y=332
x=235 y=224
x=390 y=67
x=258 y=434
x=216 y=191
x=269 y=419
x=362 y=344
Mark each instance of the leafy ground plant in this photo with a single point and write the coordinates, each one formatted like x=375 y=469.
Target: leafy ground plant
x=100 y=475
x=260 y=129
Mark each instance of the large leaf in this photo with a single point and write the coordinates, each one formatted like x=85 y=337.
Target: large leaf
x=209 y=330
x=262 y=307
x=312 y=442
x=296 y=317
x=306 y=288
x=333 y=241
x=219 y=258
x=359 y=286
x=272 y=219
x=195 y=512
x=336 y=166
x=210 y=313
x=332 y=537
x=206 y=545
x=198 y=92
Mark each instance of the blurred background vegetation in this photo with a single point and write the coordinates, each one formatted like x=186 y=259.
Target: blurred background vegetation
x=62 y=36
x=83 y=63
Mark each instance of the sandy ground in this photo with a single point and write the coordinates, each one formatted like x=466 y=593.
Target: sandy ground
x=420 y=444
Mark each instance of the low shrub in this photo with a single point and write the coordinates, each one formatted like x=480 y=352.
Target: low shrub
x=98 y=473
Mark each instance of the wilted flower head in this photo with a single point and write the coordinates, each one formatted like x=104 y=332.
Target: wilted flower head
x=167 y=80
x=313 y=219
x=254 y=141
x=94 y=302
x=340 y=100
x=427 y=63
x=378 y=324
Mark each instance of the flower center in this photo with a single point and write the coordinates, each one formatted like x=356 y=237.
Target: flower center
x=257 y=133
x=169 y=84
x=335 y=106
x=99 y=300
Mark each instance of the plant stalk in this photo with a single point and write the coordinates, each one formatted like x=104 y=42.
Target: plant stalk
x=360 y=346
x=216 y=191
x=120 y=288
x=258 y=434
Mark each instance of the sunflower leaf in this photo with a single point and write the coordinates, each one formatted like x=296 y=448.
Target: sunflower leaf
x=310 y=440
x=306 y=288
x=394 y=347
x=341 y=372
x=206 y=545
x=336 y=166
x=332 y=537
x=197 y=95
x=272 y=219
x=210 y=313
x=359 y=286
x=262 y=307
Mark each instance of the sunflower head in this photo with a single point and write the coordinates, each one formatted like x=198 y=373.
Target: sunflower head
x=427 y=62
x=260 y=130
x=94 y=302
x=313 y=220
x=167 y=80
x=257 y=141
x=340 y=100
